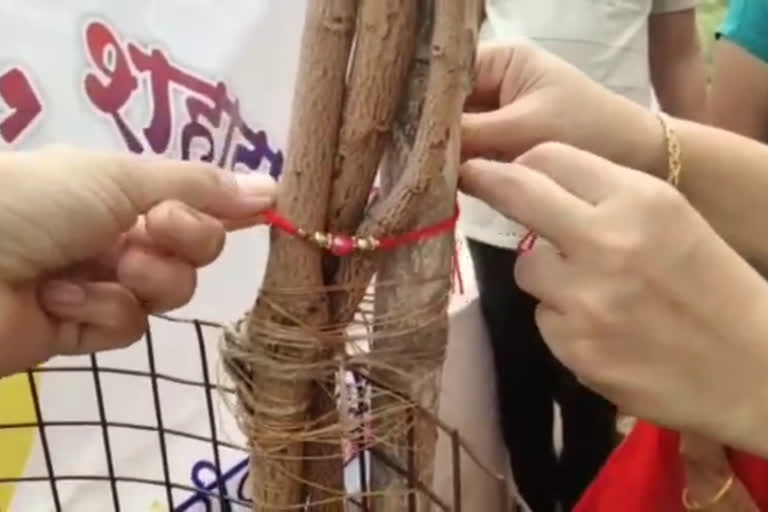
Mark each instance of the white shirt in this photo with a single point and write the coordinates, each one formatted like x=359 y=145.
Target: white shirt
x=607 y=39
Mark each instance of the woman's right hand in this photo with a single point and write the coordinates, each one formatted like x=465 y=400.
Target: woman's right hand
x=707 y=471
x=524 y=96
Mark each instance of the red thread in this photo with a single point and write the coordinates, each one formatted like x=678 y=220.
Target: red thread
x=275 y=220
x=385 y=243
x=343 y=245
x=527 y=242
x=420 y=234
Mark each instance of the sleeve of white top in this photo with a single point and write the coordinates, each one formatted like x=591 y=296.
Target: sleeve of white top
x=661 y=6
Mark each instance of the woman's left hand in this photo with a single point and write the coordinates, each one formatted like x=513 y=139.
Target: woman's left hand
x=639 y=296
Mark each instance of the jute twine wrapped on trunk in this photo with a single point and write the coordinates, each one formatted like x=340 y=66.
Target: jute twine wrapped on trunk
x=354 y=285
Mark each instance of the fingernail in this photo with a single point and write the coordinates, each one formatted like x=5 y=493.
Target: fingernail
x=255 y=183
x=64 y=293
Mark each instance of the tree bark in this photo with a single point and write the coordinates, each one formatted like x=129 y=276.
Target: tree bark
x=277 y=466
x=382 y=49
x=340 y=129
x=427 y=138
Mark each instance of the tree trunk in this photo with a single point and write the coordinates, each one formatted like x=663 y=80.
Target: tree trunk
x=280 y=409
x=342 y=124
x=383 y=45
x=422 y=272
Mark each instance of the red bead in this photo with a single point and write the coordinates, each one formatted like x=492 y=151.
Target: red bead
x=342 y=245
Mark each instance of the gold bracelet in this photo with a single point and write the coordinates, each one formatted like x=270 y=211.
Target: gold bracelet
x=690 y=504
x=674 y=161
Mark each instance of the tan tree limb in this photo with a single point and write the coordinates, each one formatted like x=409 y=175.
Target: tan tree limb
x=397 y=211
x=308 y=175
x=324 y=469
x=382 y=48
x=293 y=264
x=419 y=377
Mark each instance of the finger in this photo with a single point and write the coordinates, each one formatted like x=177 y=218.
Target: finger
x=161 y=283
x=244 y=223
x=183 y=232
x=93 y=316
x=543 y=273
x=146 y=182
x=502 y=134
x=139 y=233
x=575 y=353
x=500 y=120
x=103 y=267
x=492 y=63
x=587 y=176
x=530 y=198
x=203 y=187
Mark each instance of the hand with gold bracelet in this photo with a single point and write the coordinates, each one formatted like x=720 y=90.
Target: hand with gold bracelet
x=645 y=291
x=710 y=483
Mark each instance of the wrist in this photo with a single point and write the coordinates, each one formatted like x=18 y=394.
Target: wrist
x=703 y=483
x=638 y=139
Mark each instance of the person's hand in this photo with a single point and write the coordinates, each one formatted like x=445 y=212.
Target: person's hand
x=639 y=296
x=524 y=96
x=90 y=244
x=707 y=474
x=705 y=463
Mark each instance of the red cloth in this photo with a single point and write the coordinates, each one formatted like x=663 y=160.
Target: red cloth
x=645 y=474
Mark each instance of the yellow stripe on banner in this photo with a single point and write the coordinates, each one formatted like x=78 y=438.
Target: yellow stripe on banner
x=16 y=406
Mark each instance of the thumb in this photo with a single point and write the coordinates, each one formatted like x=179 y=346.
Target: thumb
x=500 y=134
x=145 y=182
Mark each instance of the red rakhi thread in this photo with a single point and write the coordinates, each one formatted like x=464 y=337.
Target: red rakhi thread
x=527 y=242
x=422 y=234
x=344 y=245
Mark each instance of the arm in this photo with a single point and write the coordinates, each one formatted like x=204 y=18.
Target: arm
x=725 y=175
x=677 y=66
x=738 y=98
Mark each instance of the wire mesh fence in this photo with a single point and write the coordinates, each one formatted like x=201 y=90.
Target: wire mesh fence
x=91 y=451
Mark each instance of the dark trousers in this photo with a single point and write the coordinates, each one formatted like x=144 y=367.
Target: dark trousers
x=529 y=379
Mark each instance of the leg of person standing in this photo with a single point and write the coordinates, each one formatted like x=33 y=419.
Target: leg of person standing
x=524 y=375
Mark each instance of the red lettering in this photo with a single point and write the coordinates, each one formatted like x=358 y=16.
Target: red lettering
x=162 y=74
x=115 y=79
x=21 y=98
x=111 y=91
x=194 y=129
